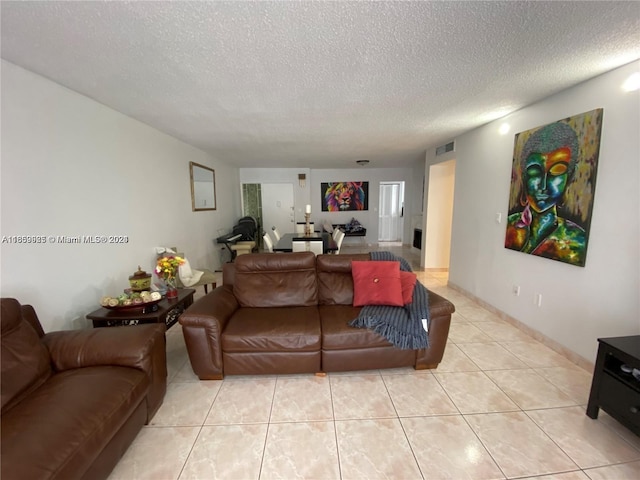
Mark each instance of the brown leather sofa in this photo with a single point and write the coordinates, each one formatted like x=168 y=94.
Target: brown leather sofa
x=73 y=401
x=289 y=313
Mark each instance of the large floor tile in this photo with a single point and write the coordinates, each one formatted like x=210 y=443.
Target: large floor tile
x=243 y=401
x=573 y=381
x=186 y=403
x=454 y=360
x=576 y=475
x=184 y=374
x=491 y=356
x=375 y=449
x=473 y=312
x=455 y=297
x=501 y=331
x=299 y=399
x=418 y=395
x=537 y=355
x=456 y=318
x=355 y=373
x=177 y=358
x=518 y=445
x=405 y=371
x=156 y=453
x=474 y=392
x=301 y=450
x=624 y=471
x=431 y=282
x=446 y=448
x=363 y=396
x=467 y=333
x=590 y=443
x=529 y=390
x=226 y=451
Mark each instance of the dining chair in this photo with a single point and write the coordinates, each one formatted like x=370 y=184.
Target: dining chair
x=335 y=233
x=276 y=234
x=315 y=245
x=339 y=238
x=268 y=245
x=300 y=227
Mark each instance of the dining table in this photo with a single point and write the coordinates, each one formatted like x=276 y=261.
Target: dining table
x=285 y=244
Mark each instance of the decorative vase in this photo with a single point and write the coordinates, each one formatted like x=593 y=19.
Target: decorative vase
x=172 y=289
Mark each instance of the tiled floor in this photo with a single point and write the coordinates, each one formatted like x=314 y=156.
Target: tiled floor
x=500 y=405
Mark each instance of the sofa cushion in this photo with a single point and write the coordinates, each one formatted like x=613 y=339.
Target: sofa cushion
x=338 y=335
x=276 y=280
x=25 y=360
x=335 y=283
x=73 y=416
x=276 y=329
x=376 y=283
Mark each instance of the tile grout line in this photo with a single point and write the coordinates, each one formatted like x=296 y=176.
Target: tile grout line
x=413 y=453
x=335 y=427
x=266 y=436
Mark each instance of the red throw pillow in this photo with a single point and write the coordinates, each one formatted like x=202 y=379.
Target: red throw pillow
x=376 y=283
x=408 y=282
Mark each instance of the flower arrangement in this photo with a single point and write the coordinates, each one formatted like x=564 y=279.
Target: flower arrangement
x=167 y=267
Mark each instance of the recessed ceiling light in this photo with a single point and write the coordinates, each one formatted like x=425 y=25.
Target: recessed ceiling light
x=362 y=163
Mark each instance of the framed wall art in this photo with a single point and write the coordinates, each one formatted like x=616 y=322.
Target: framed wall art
x=553 y=180
x=344 y=196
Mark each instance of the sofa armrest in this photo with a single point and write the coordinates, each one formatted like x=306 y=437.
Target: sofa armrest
x=202 y=327
x=141 y=346
x=440 y=310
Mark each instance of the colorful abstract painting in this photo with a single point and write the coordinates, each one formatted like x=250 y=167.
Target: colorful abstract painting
x=344 y=196
x=553 y=181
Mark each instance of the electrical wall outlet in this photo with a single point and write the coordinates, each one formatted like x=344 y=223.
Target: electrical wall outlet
x=537 y=300
x=516 y=290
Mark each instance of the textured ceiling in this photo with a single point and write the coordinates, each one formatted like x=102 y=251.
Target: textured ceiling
x=319 y=84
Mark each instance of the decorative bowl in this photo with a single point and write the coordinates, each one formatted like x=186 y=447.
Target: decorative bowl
x=134 y=306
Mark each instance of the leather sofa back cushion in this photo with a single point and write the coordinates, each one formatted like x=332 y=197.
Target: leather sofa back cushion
x=276 y=280
x=335 y=283
x=26 y=363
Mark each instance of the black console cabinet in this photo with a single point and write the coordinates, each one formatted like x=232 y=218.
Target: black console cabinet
x=614 y=390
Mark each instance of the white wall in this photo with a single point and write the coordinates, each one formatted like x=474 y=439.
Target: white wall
x=579 y=304
x=71 y=166
x=440 y=214
x=301 y=195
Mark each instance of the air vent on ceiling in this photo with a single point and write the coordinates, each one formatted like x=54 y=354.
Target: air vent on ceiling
x=444 y=148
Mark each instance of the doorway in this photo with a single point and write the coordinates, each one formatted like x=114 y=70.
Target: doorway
x=439 y=215
x=277 y=207
x=391 y=212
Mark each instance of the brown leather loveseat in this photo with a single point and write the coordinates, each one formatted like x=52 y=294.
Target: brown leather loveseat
x=289 y=313
x=73 y=401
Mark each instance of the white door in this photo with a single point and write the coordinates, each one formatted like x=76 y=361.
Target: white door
x=391 y=211
x=277 y=207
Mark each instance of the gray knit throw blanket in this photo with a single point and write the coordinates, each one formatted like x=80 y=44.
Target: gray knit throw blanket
x=401 y=326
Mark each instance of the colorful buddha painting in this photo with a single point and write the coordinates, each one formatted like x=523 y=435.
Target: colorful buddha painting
x=552 y=188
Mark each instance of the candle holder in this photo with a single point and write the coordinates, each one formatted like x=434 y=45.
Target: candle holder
x=307 y=227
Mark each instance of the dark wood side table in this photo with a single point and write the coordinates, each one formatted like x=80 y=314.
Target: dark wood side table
x=615 y=389
x=167 y=312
